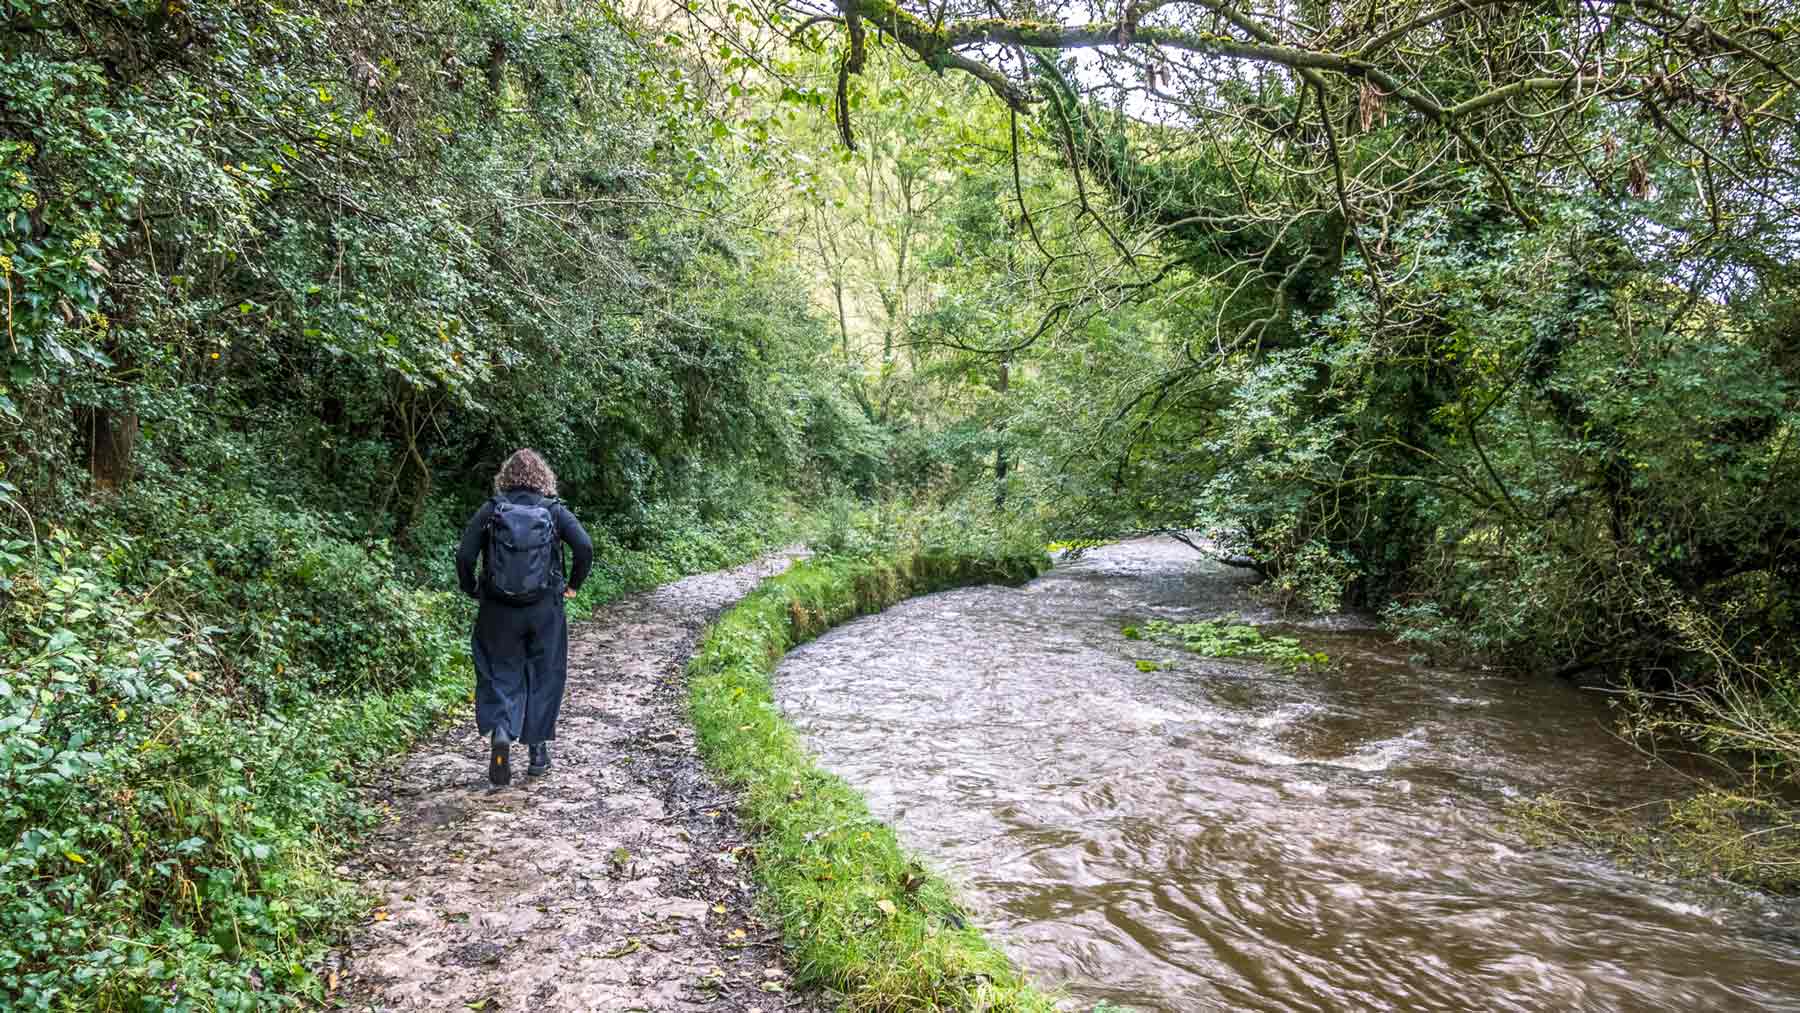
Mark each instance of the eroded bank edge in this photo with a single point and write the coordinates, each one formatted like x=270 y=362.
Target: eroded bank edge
x=861 y=918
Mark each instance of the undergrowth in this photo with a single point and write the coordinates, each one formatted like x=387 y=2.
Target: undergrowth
x=1744 y=714
x=177 y=731
x=189 y=693
x=862 y=917
x=1750 y=840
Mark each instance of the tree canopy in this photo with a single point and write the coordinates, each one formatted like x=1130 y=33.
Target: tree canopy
x=1483 y=316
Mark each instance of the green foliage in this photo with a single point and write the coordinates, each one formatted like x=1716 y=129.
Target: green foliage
x=1222 y=638
x=966 y=525
x=281 y=286
x=1741 y=705
x=187 y=701
x=177 y=755
x=863 y=918
x=1745 y=838
x=310 y=223
x=1075 y=546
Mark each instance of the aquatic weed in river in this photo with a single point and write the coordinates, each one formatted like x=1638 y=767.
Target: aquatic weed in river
x=1222 y=638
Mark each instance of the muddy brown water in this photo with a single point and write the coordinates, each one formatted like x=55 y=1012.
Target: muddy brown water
x=1221 y=835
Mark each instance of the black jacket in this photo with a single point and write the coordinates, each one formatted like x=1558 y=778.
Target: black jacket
x=474 y=542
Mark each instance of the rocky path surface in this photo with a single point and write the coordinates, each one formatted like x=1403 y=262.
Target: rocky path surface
x=615 y=883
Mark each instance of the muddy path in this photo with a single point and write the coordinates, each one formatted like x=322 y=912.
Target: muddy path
x=617 y=882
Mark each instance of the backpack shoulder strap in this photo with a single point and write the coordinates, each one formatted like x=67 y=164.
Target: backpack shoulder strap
x=493 y=509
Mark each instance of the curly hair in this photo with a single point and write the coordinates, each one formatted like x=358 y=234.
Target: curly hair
x=526 y=469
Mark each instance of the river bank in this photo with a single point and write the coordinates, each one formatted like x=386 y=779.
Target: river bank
x=861 y=917
x=1198 y=832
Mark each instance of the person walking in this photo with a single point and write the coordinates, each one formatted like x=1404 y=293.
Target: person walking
x=521 y=639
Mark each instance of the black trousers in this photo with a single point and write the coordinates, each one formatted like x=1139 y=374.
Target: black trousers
x=521 y=664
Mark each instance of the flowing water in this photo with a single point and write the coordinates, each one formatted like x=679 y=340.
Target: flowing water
x=1222 y=835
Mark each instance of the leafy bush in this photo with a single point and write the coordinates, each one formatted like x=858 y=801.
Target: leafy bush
x=1743 y=837
x=967 y=525
x=176 y=741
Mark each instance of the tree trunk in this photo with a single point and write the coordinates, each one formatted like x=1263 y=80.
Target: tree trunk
x=1000 y=462
x=837 y=290
x=496 y=65
x=108 y=434
x=109 y=440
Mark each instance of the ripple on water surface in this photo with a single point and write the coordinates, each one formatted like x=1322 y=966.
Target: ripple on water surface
x=1222 y=835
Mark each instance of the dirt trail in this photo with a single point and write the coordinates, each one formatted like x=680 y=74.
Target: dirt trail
x=615 y=883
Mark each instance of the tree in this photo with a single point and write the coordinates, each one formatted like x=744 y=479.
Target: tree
x=1436 y=280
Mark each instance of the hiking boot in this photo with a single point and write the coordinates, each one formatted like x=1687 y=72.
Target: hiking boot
x=500 y=759
x=540 y=759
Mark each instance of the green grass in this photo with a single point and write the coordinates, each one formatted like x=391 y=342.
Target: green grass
x=861 y=917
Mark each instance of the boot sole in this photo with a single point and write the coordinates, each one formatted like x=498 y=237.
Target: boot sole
x=500 y=761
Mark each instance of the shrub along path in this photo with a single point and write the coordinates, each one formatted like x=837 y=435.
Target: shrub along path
x=615 y=883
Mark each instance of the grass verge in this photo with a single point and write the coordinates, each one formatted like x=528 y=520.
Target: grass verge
x=861 y=917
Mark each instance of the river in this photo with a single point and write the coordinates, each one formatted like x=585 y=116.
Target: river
x=1223 y=835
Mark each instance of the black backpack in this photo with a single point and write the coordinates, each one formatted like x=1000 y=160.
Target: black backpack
x=522 y=558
